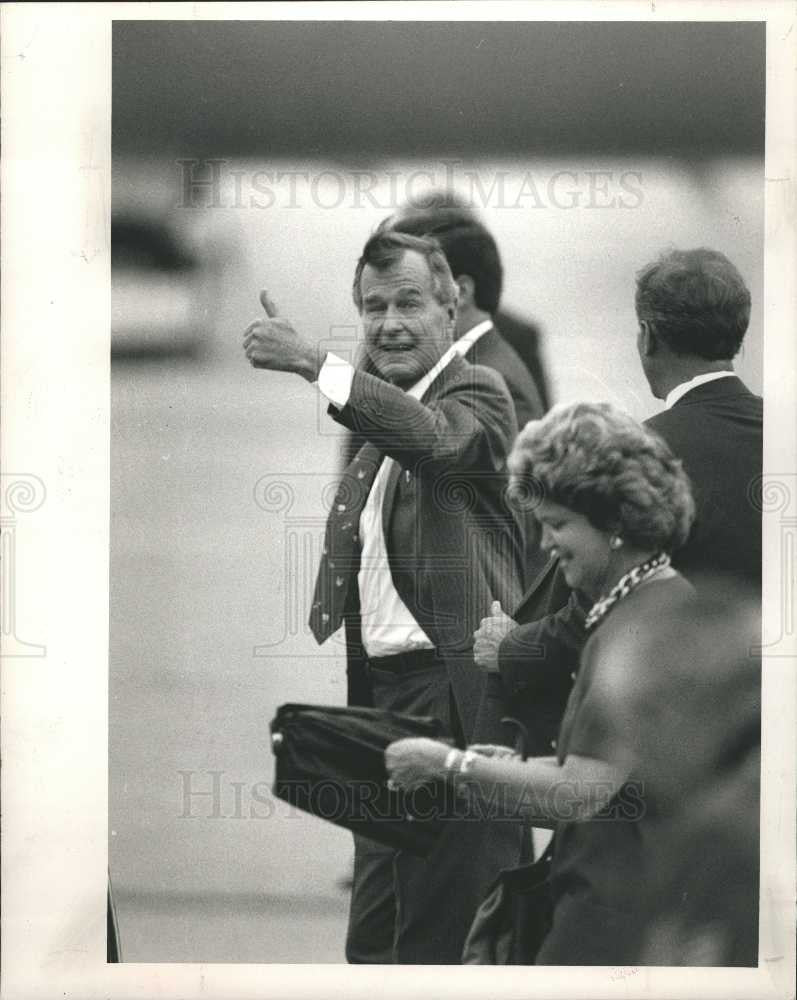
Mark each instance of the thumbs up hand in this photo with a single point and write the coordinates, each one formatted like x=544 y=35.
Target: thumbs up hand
x=268 y=306
x=272 y=342
x=489 y=636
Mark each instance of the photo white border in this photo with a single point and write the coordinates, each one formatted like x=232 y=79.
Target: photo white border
x=56 y=187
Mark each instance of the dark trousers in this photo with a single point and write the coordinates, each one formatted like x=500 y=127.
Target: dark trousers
x=411 y=910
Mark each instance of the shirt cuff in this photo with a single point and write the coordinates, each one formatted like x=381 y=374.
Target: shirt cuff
x=334 y=380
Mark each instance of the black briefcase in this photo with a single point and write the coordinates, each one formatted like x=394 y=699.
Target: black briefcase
x=330 y=762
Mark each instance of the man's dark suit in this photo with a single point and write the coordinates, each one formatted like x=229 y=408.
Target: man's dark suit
x=716 y=429
x=453 y=547
x=525 y=337
x=492 y=351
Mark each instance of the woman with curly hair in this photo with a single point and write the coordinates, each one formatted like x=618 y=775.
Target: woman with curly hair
x=615 y=503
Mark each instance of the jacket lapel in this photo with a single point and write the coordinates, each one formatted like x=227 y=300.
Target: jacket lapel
x=390 y=496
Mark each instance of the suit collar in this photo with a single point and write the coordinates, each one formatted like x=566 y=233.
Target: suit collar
x=720 y=388
x=418 y=390
x=452 y=373
x=681 y=390
x=490 y=338
x=471 y=337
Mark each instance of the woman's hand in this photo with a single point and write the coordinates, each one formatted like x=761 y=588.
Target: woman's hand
x=413 y=762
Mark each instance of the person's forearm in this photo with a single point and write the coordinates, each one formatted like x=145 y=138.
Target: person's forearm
x=540 y=789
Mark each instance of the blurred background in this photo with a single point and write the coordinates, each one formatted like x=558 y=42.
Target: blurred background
x=262 y=154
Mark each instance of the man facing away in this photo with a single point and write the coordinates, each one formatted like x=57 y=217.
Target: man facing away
x=693 y=310
x=419 y=542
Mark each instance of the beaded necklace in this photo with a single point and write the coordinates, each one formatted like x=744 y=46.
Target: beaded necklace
x=624 y=586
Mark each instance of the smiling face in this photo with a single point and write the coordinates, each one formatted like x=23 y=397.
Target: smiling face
x=585 y=556
x=406 y=329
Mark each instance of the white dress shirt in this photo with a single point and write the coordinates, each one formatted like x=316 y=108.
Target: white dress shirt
x=387 y=624
x=467 y=340
x=681 y=390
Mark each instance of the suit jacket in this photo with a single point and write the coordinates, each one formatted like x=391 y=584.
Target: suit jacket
x=453 y=543
x=539 y=660
x=524 y=336
x=716 y=429
x=493 y=351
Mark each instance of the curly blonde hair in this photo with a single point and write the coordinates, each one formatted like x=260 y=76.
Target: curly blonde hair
x=598 y=461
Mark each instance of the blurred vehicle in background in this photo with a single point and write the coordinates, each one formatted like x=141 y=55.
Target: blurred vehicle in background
x=163 y=287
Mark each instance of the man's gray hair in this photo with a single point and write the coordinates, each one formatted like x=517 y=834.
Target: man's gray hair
x=386 y=249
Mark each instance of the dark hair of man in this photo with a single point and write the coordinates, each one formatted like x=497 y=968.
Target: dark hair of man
x=696 y=301
x=387 y=248
x=468 y=246
x=423 y=220
x=434 y=199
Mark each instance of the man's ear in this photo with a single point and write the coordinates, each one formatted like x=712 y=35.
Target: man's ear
x=467 y=291
x=452 y=309
x=646 y=339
